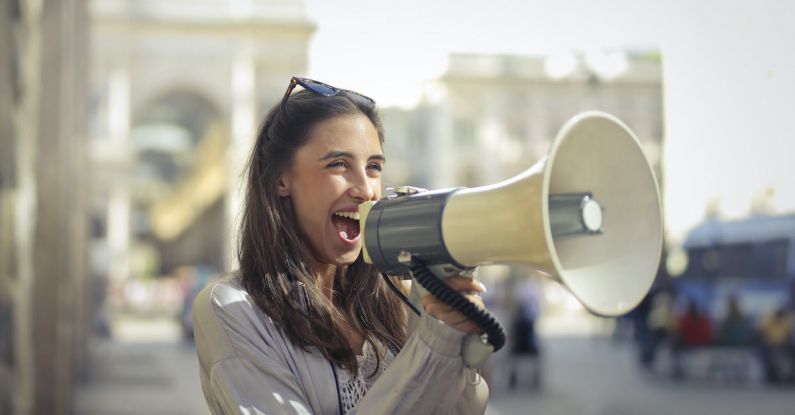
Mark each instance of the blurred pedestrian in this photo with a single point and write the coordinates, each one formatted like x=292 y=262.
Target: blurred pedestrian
x=660 y=327
x=736 y=329
x=524 y=341
x=186 y=279
x=776 y=348
x=693 y=329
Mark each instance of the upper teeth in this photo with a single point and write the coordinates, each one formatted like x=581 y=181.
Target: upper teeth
x=349 y=215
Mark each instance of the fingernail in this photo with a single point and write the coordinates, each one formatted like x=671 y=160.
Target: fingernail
x=482 y=287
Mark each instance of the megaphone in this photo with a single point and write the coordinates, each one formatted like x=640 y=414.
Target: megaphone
x=588 y=215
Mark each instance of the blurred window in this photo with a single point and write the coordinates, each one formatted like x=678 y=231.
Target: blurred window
x=766 y=259
x=770 y=258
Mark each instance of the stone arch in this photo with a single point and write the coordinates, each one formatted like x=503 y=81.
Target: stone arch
x=183 y=106
x=169 y=127
x=171 y=133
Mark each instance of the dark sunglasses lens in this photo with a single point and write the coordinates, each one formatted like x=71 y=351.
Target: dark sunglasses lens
x=359 y=98
x=319 y=88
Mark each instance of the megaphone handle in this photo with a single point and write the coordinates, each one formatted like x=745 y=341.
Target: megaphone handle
x=475 y=348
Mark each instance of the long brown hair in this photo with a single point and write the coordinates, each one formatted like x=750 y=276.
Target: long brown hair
x=274 y=257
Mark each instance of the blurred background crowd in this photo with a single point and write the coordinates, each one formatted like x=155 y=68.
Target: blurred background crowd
x=125 y=126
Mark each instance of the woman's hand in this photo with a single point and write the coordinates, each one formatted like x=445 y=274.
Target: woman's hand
x=441 y=311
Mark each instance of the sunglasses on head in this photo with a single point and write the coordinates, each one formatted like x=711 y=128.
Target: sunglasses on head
x=325 y=90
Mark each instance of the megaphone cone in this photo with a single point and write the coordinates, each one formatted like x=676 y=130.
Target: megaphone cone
x=511 y=222
x=588 y=214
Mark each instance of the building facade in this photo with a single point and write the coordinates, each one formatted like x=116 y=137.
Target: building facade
x=116 y=117
x=177 y=91
x=43 y=252
x=495 y=115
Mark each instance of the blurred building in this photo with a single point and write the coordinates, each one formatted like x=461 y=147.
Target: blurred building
x=124 y=128
x=177 y=89
x=490 y=117
x=43 y=279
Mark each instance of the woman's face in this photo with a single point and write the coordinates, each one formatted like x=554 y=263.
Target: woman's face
x=339 y=168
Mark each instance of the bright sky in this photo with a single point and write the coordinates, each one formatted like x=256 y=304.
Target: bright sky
x=729 y=74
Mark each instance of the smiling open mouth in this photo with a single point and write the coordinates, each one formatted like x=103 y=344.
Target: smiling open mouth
x=346 y=224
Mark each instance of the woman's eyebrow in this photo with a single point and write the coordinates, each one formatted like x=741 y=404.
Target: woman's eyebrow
x=336 y=153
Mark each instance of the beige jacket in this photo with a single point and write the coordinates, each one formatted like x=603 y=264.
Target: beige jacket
x=248 y=366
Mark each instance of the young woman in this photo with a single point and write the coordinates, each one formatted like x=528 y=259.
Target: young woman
x=305 y=326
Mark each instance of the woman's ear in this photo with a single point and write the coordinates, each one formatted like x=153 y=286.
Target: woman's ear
x=283 y=187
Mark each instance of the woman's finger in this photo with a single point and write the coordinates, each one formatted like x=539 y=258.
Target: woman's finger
x=446 y=314
x=469 y=327
x=464 y=284
x=439 y=309
x=466 y=325
x=453 y=318
x=429 y=300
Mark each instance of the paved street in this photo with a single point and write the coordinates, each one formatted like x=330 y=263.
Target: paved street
x=597 y=377
x=582 y=375
x=145 y=370
x=142 y=378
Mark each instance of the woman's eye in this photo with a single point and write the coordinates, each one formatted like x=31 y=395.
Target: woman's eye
x=336 y=164
x=375 y=167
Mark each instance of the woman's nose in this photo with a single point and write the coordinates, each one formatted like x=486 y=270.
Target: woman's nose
x=362 y=187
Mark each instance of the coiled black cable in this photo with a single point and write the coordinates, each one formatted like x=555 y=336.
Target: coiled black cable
x=440 y=290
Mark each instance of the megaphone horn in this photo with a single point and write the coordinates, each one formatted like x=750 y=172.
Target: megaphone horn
x=588 y=214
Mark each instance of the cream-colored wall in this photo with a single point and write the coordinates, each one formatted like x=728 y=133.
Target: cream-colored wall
x=238 y=59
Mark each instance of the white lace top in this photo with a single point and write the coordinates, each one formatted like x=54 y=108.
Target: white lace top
x=352 y=388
